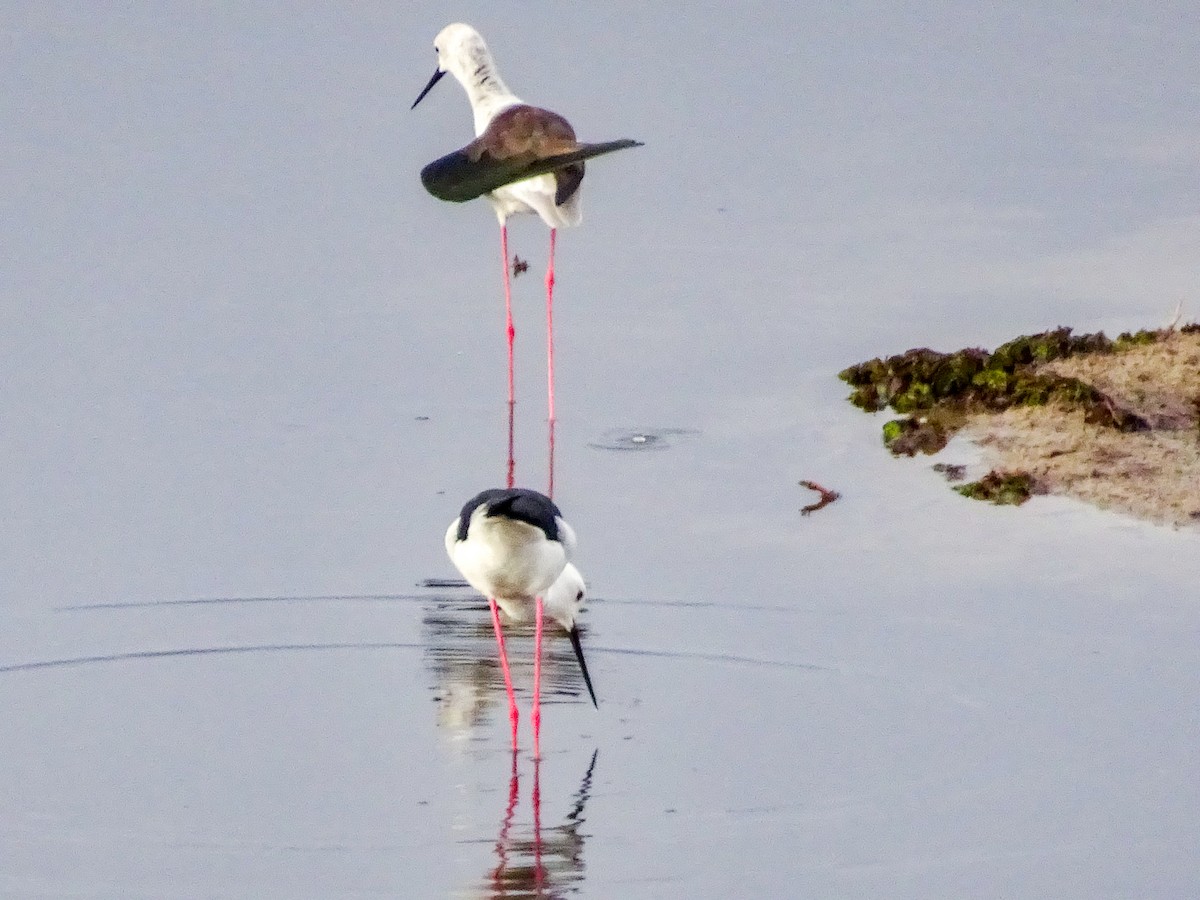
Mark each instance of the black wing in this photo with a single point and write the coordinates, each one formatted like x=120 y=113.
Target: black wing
x=524 y=505
x=457 y=178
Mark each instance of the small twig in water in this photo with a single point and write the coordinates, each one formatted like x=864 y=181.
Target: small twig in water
x=827 y=497
x=519 y=266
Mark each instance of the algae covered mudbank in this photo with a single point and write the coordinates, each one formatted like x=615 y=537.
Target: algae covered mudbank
x=1111 y=421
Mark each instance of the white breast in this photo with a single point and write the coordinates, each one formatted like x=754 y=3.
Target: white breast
x=536 y=195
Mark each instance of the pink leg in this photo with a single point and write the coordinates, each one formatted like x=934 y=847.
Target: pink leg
x=537 y=683
x=550 y=323
x=512 y=459
x=512 y=701
x=550 y=485
x=508 y=319
x=511 y=332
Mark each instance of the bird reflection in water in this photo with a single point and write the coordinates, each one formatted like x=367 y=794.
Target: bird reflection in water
x=510 y=462
x=537 y=862
x=510 y=466
x=460 y=654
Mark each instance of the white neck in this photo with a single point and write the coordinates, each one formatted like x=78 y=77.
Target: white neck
x=487 y=106
x=485 y=89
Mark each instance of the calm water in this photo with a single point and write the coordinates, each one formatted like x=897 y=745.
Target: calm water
x=253 y=371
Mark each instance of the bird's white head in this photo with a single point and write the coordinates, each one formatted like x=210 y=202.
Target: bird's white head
x=565 y=598
x=563 y=602
x=461 y=51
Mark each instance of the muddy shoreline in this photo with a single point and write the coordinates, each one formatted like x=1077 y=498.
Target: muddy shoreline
x=1114 y=422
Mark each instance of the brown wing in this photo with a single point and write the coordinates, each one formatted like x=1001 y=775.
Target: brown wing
x=524 y=135
x=524 y=132
x=522 y=142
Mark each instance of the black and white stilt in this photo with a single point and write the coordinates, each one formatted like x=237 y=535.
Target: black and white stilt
x=524 y=159
x=513 y=546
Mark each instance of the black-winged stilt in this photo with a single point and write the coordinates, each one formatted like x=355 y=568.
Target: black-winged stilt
x=513 y=546
x=524 y=159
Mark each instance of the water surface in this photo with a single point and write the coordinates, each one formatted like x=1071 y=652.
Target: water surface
x=253 y=371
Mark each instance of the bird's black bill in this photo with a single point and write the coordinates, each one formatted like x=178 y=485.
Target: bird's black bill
x=457 y=177
x=573 y=634
x=437 y=76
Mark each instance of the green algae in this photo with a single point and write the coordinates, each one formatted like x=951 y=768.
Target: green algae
x=1001 y=488
x=1126 y=340
x=934 y=389
x=906 y=437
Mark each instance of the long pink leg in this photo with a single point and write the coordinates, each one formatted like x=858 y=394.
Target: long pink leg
x=508 y=319
x=511 y=332
x=512 y=701
x=537 y=683
x=550 y=324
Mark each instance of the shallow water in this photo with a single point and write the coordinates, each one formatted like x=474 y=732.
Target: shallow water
x=254 y=371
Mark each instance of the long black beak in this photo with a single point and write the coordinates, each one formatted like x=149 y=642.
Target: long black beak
x=429 y=87
x=573 y=634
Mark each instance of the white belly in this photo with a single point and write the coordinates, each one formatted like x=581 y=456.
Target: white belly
x=536 y=195
x=508 y=560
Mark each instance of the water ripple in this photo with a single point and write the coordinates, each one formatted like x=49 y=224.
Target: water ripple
x=196 y=651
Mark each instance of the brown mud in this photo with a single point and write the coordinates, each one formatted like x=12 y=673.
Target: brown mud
x=1114 y=422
